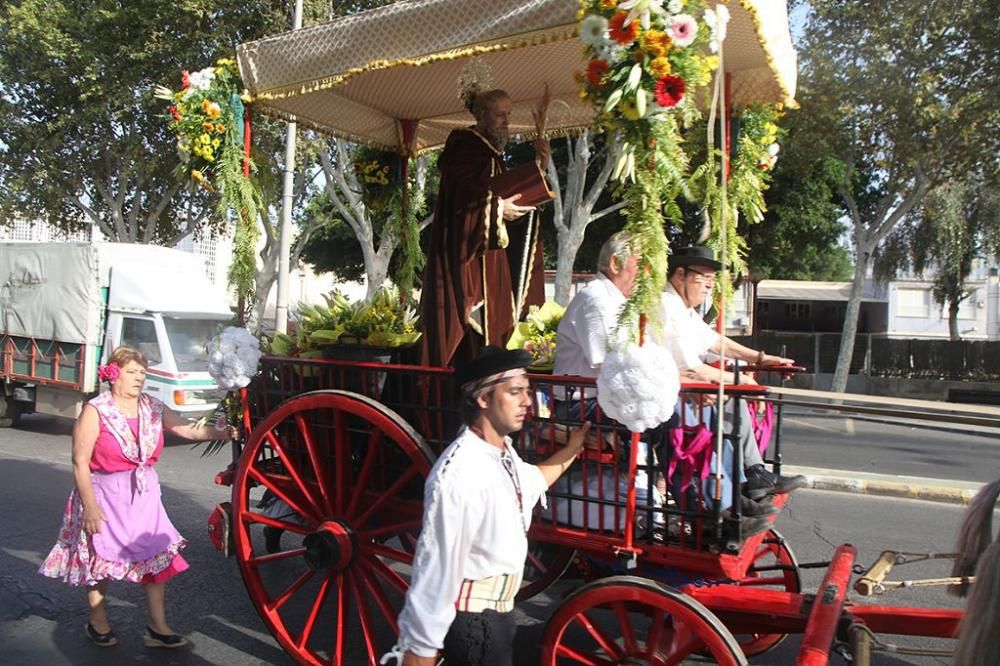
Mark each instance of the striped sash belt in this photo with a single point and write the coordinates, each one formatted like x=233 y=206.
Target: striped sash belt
x=493 y=593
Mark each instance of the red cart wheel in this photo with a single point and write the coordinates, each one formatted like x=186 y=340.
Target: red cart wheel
x=630 y=620
x=774 y=566
x=349 y=474
x=546 y=562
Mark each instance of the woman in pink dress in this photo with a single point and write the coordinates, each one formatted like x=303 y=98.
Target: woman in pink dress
x=114 y=526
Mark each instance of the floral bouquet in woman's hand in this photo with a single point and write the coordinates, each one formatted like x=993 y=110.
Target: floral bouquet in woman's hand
x=233 y=359
x=537 y=334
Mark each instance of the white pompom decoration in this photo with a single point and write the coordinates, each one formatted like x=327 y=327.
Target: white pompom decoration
x=233 y=356
x=638 y=386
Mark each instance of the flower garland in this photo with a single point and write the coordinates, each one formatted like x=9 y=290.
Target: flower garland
x=647 y=59
x=207 y=114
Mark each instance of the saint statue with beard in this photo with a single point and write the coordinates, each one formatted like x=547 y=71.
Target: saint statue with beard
x=467 y=300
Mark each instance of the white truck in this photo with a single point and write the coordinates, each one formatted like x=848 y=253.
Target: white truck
x=65 y=306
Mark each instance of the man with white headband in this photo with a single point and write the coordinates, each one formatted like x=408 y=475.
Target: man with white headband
x=478 y=502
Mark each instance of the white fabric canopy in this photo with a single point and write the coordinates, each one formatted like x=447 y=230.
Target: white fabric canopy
x=355 y=77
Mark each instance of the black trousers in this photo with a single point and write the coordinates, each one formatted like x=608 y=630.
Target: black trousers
x=480 y=639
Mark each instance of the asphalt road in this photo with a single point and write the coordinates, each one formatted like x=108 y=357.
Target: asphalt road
x=830 y=441
x=41 y=621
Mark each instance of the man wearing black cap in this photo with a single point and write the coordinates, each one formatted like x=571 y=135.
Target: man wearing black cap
x=478 y=502
x=690 y=280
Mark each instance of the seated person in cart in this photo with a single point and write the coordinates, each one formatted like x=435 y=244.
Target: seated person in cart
x=690 y=279
x=582 y=341
x=467 y=298
x=478 y=504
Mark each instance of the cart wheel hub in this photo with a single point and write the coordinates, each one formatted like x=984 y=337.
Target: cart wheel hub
x=331 y=546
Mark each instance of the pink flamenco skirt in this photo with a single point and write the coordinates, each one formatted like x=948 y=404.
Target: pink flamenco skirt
x=137 y=543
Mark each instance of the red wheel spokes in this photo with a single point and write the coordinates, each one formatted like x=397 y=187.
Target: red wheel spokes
x=341 y=458
x=586 y=660
x=307 y=630
x=367 y=629
x=275 y=522
x=293 y=472
x=317 y=464
x=275 y=557
x=685 y=643
x=378 y=594
x=342 y=461
x=366 y=469
x=605 y=642
x=628 y=635
x=393 y=529
x=285 y=497
x=656 y=625
x=291 y=590
x=403 y=479
x=390 y=576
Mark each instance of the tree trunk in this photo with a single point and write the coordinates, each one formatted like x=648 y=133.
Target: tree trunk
x=850 y=330
x=569 y=244
x=953 y=331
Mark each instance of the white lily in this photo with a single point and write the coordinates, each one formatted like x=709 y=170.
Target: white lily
x=641 y=9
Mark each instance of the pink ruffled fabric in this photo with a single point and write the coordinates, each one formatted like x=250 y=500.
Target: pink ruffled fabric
x=74 y=560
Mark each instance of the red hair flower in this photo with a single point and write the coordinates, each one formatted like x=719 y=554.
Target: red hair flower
x=621 y=33
x=669 y=91
x=108 y=373
x=175 y=113
x=596 y=69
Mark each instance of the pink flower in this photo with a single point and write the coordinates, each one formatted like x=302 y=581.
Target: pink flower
x=185 y=79
x=669 y=91
x=683 y=30
x=108 y=373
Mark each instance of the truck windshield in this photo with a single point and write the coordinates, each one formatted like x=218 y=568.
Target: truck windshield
x=189 y=340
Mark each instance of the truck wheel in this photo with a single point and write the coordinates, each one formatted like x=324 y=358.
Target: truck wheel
x=10 y=412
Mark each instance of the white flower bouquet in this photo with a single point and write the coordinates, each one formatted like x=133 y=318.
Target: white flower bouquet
x=233 y=357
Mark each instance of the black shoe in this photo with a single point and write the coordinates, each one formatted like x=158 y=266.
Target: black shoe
x=153 y=639
x=751 y=509
x=272 y=539
x=102 y=640
x=760 y=483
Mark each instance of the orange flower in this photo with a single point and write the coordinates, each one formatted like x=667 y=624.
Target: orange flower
x=596 y=69
x=609 y=4
x=655 y=42
x=621 y=33
x=660 y=67
x=208 y=127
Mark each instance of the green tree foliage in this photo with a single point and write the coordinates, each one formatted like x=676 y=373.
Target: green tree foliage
x=958 y=223
x=800 y=235
x=81 y=138
x=903 y=94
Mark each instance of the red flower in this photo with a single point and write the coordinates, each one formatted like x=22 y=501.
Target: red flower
x=596 y=69
x=185 y=79
x=669 y=91
x=175 y=113
x=621 y=33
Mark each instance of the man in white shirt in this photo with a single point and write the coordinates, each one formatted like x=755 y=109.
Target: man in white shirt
x=584 y=339
x=690 y=280
x=478 y=502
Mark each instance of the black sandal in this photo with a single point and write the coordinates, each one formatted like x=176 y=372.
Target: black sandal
x=153 y=639
x=101 y=640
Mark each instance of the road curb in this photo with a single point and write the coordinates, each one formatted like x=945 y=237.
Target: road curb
x=931 y=490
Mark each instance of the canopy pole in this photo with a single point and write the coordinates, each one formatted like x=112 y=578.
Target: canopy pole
x=287 y=195
x=241 y=300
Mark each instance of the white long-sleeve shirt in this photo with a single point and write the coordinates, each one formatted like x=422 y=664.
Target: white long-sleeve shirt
x=472 y=530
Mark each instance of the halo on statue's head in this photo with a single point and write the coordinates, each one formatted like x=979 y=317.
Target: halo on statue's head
x=476 y=77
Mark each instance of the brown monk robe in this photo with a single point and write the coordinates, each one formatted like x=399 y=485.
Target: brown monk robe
x=467 y=299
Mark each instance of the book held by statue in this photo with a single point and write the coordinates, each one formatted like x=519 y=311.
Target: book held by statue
x=526 y=180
